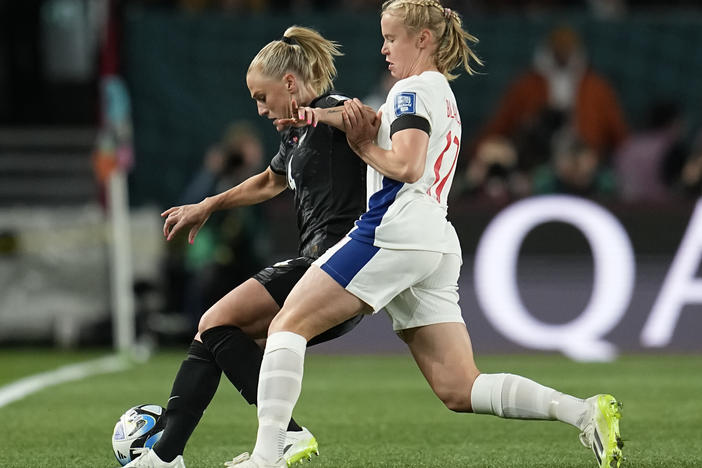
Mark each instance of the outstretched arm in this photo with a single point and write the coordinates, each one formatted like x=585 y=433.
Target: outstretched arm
x=255 y=189
x=403 y=162
x=332 y=116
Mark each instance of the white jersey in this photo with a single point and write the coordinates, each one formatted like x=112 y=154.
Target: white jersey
x=413 y=216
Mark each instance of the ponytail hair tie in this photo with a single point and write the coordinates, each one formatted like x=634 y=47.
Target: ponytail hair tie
x=447 y=13
x=288 y=40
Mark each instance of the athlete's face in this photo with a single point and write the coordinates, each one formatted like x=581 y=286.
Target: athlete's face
x=400 y=47
x=272 y=95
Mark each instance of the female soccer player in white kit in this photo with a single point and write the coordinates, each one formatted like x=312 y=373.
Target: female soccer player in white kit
x=404 y=256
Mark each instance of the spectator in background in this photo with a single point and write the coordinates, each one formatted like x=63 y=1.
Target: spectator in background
x=237 y=156
x=650 y=161
x=233 y=243
x=561 y=94
x=607 y=9
x=238 y=6
x=575 y=169
x=526 y=6
x=690 y=180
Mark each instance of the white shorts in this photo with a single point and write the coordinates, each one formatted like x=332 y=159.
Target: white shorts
x=416 y=287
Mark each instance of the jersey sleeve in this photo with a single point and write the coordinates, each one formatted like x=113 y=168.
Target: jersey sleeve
x=278 y=162
x=408 y=103
x=331 y=100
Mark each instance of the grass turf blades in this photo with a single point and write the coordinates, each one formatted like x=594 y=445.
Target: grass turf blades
x=366 y=411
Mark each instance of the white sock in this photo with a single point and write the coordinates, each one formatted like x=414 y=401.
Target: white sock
x=516 y=397
x=279 y=385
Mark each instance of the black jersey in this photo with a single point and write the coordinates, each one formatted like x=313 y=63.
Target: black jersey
x=328 y=179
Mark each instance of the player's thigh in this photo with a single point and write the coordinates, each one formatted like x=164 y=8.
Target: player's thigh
x=432 y=299
x=444 y=354
x=376 y=275
x=316 y=304
x=249 y=307
x=427 y=316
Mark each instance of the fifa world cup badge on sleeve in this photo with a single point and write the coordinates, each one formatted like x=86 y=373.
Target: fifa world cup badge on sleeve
x=405 y=103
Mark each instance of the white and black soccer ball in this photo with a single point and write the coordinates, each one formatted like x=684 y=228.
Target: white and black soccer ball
x=139 y=427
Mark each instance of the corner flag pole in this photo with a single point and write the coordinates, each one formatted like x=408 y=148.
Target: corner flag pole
x=121 y=274
x=112 y=159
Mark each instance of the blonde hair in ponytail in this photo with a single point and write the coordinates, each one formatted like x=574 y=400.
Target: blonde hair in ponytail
x=453 y=48
x=305 y=52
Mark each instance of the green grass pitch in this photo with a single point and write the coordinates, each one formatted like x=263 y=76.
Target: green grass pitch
x=366 y=411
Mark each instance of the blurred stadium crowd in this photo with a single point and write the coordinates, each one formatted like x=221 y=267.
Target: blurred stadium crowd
x=600 y=7
x=559 y=125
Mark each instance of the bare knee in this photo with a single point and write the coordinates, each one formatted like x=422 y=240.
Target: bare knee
x=455 y=400
x=284 y=321
x=455 y=394
x=217 y=316
x=249 y=307
x=252 y=322
x=295 y=319
x=207 y=321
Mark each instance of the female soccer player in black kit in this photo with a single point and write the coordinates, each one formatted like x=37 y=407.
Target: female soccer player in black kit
x=329 y=184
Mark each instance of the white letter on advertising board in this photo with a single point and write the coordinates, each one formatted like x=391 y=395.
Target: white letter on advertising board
x=496 y=276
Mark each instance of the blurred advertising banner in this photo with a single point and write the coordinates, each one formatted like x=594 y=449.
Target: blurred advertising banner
x=565 y=274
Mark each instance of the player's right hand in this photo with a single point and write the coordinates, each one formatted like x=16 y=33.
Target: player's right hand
x=184 y=216
x=361 y=124
x=308 y=115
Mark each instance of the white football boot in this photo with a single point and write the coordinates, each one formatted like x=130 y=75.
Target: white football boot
x=149 y=459
x=254 y=461
x=299 y=445
x=601 y=430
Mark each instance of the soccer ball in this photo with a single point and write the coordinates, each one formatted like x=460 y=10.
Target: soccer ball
x=139 y=427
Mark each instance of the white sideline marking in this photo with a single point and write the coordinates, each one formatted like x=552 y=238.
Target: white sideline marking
x=28 y=385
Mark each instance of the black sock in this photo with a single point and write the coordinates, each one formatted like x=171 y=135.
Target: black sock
x=240 y=358
x=193 y=388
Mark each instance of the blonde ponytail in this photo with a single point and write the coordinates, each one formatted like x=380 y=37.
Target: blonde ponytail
x=302 y=51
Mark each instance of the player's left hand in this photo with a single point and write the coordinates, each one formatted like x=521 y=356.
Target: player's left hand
x=179 y=218
x=299 y=117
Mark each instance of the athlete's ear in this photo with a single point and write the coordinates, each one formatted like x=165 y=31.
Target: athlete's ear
x=423 y=38
x=290 y=83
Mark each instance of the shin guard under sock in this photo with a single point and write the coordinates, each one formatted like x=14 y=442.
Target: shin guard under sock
x=240 y=358
x=516 y=397
x=279 y=388
x=193 y=388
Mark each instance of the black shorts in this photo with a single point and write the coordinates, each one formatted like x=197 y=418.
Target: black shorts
x=279 y=280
